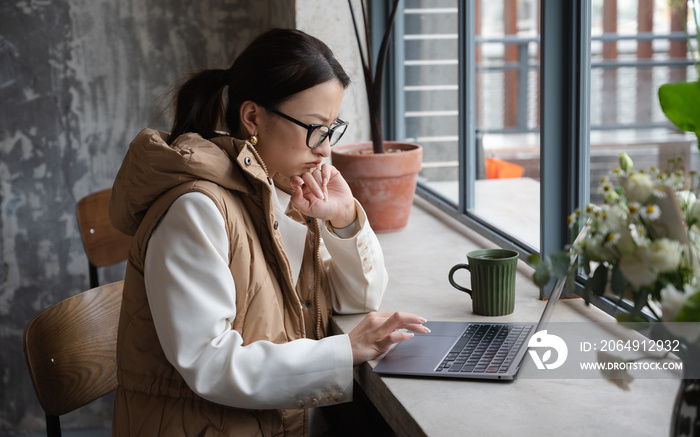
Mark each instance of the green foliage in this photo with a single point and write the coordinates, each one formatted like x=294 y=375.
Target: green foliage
x=596 y=283
x=542 y=274
x=681 y=101
x=690 y=312
x=681 y=104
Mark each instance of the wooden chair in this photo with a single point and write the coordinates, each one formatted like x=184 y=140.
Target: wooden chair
x=71 y=351
x=104 y=245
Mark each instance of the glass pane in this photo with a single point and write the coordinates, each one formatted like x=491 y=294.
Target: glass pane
x=430 y=90
x=506 y=101
x=636 y=46
x=507 y=193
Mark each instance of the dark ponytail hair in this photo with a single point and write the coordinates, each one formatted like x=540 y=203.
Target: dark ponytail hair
x=276 y=65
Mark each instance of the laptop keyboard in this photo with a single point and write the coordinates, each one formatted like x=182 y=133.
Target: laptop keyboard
x=485 y=348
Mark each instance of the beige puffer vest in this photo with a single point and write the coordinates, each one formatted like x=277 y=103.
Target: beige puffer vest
x=152 y=398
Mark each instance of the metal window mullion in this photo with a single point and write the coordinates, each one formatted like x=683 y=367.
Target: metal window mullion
x=563 y=115
x=583 y=152
x=395 y=120
x=467 y=121
x=523 y=85
x=582 y=155
x=379 y=13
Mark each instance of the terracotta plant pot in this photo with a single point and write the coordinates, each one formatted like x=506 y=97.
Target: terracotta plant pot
x=384 y=184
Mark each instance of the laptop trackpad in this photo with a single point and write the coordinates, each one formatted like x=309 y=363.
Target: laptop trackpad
x=419 y=355
x=424 y=346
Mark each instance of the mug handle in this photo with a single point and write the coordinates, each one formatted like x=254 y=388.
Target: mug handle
x=452 y=281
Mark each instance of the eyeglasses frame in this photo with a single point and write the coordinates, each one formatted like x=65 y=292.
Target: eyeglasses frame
x=310 y=128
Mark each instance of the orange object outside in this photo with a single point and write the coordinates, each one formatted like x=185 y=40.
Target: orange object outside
x=499 y=169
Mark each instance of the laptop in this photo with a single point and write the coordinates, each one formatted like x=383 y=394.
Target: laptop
x=469 y=350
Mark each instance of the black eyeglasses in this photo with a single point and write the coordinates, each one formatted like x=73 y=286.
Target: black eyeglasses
x=317 y=133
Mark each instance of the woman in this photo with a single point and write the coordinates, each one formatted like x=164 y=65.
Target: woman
x=243 y=246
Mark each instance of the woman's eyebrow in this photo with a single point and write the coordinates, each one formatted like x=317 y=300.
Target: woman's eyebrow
x=324 y=118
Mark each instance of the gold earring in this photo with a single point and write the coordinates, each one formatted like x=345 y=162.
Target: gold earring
x=253 y=140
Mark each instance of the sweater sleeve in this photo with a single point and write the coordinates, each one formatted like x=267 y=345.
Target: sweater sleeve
x=191 y=294
x=355 y=266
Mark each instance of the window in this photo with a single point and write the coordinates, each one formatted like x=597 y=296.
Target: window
x=505 y=117
x=522 y=105
x=431 y=89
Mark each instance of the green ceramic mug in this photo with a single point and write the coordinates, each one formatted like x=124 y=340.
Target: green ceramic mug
x=492 y=280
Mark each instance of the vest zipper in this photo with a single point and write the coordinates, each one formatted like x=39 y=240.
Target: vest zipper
x=318 y=277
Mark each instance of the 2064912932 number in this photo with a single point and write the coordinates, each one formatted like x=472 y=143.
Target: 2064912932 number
x=639 y=345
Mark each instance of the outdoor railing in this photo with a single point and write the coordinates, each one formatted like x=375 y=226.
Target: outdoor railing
x=526 y=63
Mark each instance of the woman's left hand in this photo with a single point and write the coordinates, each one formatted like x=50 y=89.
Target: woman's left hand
x=323 y=193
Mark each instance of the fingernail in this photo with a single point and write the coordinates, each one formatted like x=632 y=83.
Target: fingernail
x=422 y=320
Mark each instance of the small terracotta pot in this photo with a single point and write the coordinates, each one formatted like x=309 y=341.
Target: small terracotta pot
x=384 y=184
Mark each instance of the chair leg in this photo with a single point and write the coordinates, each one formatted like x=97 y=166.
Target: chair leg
x=53 y=426
x=93 y=276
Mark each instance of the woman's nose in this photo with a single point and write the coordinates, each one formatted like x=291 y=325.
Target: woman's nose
x=324 y=149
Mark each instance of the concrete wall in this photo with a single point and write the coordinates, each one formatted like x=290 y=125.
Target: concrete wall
x=78 y=80
x=330 y=21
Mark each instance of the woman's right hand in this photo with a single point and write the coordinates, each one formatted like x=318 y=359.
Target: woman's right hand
x=377 y=332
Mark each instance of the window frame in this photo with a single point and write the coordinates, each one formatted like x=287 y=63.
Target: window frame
x=565 y=59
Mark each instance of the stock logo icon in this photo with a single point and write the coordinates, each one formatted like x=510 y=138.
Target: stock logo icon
x=547 y=343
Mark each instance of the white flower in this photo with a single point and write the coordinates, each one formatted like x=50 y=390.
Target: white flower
x=639 y=187
x=634 y=208
x=626 y=162
x=637 y=271
x=677 y=180
x=639 y=235
x=615 y=218
x=664 y=255
x=659 y=192
x=686 y=199
x=611 y=197
x=612 y=239
x=691 y=260
x=651 y=212
x=605 y=187
x=672 y=301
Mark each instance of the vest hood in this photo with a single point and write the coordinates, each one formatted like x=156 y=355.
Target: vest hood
x=152 y=166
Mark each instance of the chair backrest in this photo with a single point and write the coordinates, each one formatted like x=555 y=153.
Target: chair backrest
x=71 y=349
x=104 y=244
